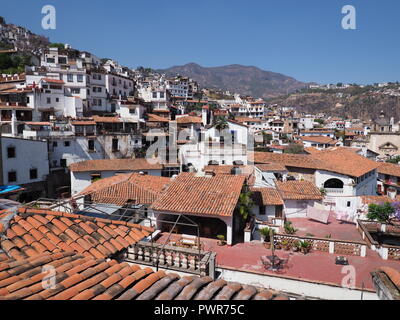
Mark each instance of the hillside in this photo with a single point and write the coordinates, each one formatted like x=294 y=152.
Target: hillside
x=363 y=103
x=246 y=80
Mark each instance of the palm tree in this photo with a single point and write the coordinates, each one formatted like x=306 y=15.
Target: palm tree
x=245 y=204
x=221 y=123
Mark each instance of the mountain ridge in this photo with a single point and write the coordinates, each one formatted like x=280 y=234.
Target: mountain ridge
x=236 y=78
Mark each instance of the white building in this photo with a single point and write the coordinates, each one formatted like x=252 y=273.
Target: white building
x=25 y=163
x=224 y=147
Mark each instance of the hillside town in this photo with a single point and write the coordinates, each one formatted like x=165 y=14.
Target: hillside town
x=137 y=185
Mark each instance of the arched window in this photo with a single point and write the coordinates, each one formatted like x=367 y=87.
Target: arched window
x=333 y=184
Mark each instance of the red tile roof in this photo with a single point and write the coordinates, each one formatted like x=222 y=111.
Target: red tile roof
x=389 y=169
x=106 y=119
x=156 y=118
x=267 y=196
x=84 y=278
x=114 y=165
x=298 y=190
x=53 y=81
x=337 y=160
x=83 y=123
x=265 y=167
x=200 y=195
x=124 y=188
x=35 y=231
x=319 y=139
x=226 y=169
x=188 y=120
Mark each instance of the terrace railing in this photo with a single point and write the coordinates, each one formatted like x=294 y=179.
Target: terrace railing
x=332 y=246
x=187 y=260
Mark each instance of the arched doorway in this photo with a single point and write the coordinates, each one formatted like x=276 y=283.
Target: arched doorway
x=333 y=184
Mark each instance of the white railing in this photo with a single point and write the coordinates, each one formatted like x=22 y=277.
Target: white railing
x=334 y=191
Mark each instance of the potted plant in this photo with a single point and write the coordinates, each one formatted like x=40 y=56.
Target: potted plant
x=222 y=240
x=304 y=246
x=265 y=234
x=285 y=245
x=289 y=229
x=295 y=247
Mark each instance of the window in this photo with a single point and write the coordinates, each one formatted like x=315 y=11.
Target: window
x=11 y=152
x=51 y=60
x=67 y=143
x=62 y=60
x=70 y=77
x=75 y=91
x=63 y=163
x=80 y=78
x=57 y=99
x=348 y=204
x=48 y=100
x=33 y=174
x=12 y=176
x=91 y=145
x=55 y=144
x=115 y=145
x=162 y=95
x=154 y=95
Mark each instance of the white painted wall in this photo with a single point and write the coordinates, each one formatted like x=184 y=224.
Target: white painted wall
x=30 y=154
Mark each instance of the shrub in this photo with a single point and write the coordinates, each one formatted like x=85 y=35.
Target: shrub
x=289 y=229
x=380 y=212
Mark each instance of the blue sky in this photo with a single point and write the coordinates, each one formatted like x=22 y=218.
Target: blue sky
x=303 y=39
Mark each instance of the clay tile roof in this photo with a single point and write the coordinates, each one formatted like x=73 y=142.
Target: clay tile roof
x=83 y=123
x=85 y=278
x=226 y=169
x=389 y=169
x=337 y=160
x=188 y=120
x=265 y=167
x=267 y=196
x=298 y=190
x=124 y=188
x=345 y=162
x=393 y=275
x=114 y=165
x=311 y=150
x=36 y=231
x=106 y=119
x=319 y=139
x=201 y=195
x=156 y=118
x=48 y=80
x=245 y=119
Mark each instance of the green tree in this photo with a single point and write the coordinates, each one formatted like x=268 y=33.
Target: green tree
x=245 y=204
x=380 y=212
x=395 y=160
x=221 y=123
x=58 y=45
x=294 y=148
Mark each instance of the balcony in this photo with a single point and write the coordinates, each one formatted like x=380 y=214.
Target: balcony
x=187 y=260
x=334 y=191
